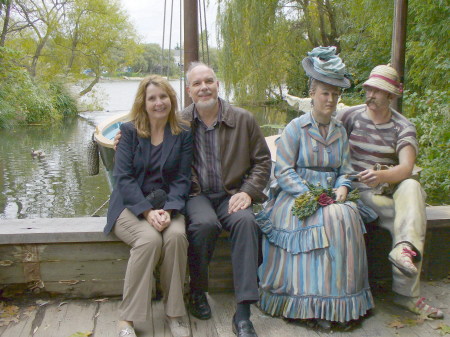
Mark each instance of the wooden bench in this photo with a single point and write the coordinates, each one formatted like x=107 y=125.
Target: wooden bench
x=71 y=256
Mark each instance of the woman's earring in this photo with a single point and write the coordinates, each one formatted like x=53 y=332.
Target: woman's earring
x=312 y=103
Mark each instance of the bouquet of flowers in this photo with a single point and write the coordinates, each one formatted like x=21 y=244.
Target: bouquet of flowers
x=317 y=196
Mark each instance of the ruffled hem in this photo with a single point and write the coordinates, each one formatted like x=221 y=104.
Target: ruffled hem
x=294 y=241
x=330 y=308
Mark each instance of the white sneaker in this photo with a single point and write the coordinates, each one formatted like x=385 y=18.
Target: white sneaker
x=127 y=332
x=178 y=327
x=401 y=257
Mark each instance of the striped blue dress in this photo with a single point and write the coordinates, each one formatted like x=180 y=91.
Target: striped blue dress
x=315 y=268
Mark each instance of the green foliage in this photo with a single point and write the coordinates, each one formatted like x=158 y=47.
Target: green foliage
x=26 y=100
x=253 y=61
x=431 y=115
x=63 y=101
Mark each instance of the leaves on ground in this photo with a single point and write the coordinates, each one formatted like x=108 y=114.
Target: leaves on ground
x=396 y=324
x=81 y=334
x=444 y=329
x=399 y=323
x=8 y=314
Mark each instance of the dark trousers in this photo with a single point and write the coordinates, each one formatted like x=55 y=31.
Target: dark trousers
x=207 y=217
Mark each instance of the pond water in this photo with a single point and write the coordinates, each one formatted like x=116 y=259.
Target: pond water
x=58 y=184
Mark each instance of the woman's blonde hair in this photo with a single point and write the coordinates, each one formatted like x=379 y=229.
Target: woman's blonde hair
x=140 y=116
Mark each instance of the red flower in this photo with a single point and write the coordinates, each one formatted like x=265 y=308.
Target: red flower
x=325 y=200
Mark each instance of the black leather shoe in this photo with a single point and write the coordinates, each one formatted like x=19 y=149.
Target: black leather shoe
x=244 y=328
x=198 y=306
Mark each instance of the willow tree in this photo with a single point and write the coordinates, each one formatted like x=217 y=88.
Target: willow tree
x=263 y=43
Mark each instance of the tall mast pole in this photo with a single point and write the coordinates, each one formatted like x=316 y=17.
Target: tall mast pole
x=190 y=38
x=399 y=44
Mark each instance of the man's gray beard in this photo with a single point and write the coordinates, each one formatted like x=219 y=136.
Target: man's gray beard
x=206 y=104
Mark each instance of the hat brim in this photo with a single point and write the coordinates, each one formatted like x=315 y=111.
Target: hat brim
x=308 y=66
x=382 y=85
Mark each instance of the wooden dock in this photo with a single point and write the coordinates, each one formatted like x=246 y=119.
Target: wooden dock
x=61 y=317
x=63 y=278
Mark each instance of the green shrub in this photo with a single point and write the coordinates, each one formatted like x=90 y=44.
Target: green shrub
x=430 y=113
x=25 y=100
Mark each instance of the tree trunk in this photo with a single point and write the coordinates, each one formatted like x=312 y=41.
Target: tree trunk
x=91 y=85
x=37 y=54
x=5 y=23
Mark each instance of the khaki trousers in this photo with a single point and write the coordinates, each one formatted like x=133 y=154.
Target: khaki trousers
x=404 y=216
x=148 y=247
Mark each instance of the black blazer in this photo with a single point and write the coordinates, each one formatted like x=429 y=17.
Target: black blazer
x=131 y=162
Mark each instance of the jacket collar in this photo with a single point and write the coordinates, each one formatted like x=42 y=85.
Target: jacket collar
x=307 y=121
x=225 y=110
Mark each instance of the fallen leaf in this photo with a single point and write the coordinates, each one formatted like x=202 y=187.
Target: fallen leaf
x=444 y=329
x=81 y=334
x=41 y=302
x=102 y=300
x=69 y=282
x=396 y=324
x=62 y=303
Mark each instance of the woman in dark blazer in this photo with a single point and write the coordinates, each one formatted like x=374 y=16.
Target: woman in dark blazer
x=154 y=154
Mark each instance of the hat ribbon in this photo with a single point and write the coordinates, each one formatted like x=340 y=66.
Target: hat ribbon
x=399 y=85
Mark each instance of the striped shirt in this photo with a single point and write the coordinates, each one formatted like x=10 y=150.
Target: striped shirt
x=206 y=161
x=372 y=143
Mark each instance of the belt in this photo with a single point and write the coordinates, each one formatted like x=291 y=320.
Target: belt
x=320 y=169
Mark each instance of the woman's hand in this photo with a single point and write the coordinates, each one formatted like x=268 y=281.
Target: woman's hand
x=158 y=218
x=341 y=193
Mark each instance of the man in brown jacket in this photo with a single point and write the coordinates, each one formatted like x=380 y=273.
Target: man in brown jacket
x=231 y=168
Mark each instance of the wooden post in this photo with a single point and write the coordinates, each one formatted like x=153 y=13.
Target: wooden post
x=399 y=45
x=190 y=38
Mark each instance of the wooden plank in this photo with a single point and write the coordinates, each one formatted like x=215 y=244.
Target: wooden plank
x=105 y=319
x=87 y=289
x=203 y=328
x=12 y=274
x=21 y=329
x=67 y=319
x=53 y=230
x=438 y=216
x=223 y=308
x=160 y=328
x=10 y=254
x=83 y=270
x=86 y=251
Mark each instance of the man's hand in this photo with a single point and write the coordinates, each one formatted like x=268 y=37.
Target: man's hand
x=370 y=177
x=158 y=218
x=116 y=139
x=341 y=193
x=239 y=201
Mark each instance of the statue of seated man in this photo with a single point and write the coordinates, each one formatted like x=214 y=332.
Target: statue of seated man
x=380 y=137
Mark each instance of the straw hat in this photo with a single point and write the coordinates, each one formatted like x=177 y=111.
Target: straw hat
x=324 y=65
x=386 y=78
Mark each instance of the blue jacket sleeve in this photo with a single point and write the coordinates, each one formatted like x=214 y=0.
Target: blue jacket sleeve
x=125 y=173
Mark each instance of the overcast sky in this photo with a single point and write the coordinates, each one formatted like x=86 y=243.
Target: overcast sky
x=148 y=18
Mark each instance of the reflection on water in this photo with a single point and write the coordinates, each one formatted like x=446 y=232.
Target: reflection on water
x=58 y=185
